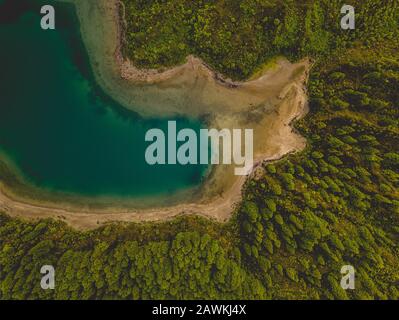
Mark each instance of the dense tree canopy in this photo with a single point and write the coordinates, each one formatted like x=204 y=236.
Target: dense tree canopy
x=334 y=204
x=238 y=37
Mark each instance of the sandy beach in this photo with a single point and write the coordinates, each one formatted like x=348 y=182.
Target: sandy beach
x=268 y=105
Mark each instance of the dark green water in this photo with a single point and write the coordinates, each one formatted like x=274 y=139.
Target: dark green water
x=56 y=125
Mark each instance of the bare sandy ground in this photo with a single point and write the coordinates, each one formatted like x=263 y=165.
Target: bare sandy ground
x=267 y=104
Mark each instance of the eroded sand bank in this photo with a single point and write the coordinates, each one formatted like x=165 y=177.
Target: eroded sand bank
x=267 y=105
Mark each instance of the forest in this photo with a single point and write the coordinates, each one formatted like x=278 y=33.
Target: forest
x=237 y=37
x=334 y=204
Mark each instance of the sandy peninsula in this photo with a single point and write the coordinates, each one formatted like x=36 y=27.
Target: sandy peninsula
x=267 y=104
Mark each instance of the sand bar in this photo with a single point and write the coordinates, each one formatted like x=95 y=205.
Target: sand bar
x=267 y=104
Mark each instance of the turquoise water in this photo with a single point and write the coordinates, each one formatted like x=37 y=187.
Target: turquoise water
x=60 y=130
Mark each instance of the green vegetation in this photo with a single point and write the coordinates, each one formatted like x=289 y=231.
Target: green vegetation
x=334 y=204
x=236 y=37
x=121 y=263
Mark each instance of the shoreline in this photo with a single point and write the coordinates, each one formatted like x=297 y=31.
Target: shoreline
x=219 y=210
x=152 y=76
x=269 y=104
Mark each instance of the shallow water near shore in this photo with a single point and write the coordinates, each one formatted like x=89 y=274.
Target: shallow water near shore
x=58 y=127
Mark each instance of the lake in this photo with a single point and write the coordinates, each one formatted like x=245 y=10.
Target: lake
x=59 y=129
